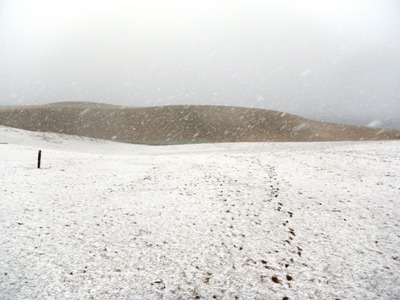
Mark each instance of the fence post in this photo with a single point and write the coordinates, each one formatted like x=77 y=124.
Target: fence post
x=39 y=159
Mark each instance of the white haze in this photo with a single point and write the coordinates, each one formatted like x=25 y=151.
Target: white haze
x=329 y=60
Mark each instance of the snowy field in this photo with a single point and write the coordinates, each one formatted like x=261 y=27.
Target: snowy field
x=103 y=220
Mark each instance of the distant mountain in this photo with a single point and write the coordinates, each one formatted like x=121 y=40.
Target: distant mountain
x=388 y=122
x=167 y=125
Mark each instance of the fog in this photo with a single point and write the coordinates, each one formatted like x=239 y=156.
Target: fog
x=328 y=60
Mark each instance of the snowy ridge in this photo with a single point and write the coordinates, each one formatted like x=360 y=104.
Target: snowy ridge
x=104 y=220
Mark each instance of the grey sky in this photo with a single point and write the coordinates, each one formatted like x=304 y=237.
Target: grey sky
x=332 y=59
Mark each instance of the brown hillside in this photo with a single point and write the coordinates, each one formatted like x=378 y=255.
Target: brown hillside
x=180 y=124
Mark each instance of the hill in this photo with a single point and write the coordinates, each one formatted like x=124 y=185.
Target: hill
x=165 y=125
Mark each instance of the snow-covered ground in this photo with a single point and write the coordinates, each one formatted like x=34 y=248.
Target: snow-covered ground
x=103 y=220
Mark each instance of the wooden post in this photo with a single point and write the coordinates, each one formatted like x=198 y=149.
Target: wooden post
x=39 y=159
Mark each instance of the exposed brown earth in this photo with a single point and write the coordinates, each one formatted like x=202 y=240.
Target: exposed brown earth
x=165 y=125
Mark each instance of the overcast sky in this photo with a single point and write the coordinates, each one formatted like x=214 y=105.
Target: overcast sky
x=324 y=59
